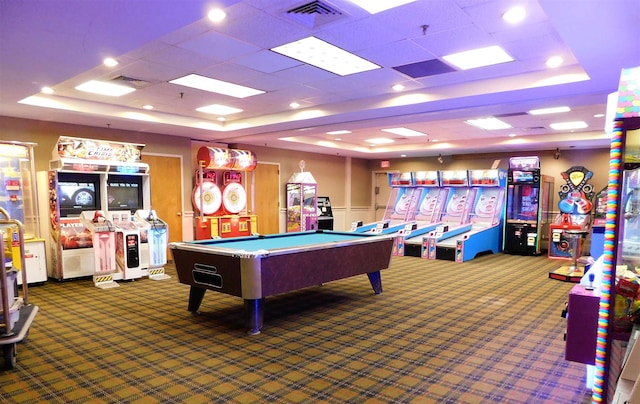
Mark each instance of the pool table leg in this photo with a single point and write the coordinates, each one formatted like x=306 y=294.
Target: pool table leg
x=255 y=315
x=376 y=281
x=195 y=298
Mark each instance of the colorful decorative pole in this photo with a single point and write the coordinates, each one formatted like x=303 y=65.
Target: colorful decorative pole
x=607 y=297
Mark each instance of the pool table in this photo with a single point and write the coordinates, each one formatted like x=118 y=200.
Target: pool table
x=255 y=267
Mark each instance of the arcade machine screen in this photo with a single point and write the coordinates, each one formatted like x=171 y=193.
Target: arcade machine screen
x=77 y=193
x=124 y=192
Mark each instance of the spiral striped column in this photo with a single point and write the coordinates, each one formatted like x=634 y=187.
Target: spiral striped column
x=608 y=283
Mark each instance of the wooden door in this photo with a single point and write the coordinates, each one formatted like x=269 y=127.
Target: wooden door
x=165 y=177
x=266 y=185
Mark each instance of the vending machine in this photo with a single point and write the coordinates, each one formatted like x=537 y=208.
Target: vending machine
x=529 y=207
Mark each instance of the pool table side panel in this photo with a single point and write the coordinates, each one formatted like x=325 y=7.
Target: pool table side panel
x=228 y=269
x=284 y=273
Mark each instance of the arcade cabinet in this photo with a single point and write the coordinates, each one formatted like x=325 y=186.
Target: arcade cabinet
x=401 y=207
x=528 y=213
x=219 y=194
x=88 y=176
x=456 y=216
x=325 y=214
x=302 y=201
x=428 y=214
x=572 y=225
x=482 y=234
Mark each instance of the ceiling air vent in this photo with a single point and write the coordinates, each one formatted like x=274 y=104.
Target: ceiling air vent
x=132 y=82
x=315 y=13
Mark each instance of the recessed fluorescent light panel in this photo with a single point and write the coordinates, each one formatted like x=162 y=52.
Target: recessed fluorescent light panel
x=339 y=132
x=104 y=88
x=491 y=55
x=319 y=53
x=374 y=7
x=379 y=140
x=569 y=125
x=218 y=109
x=404 y=132
x=545 y=111
x=216 y=86
x=488 y=123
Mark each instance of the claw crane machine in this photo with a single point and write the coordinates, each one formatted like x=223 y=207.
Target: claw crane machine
x=302 y=201
x=18 y=199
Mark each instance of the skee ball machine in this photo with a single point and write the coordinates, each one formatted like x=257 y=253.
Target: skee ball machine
x=528 y=212
x=219 y=194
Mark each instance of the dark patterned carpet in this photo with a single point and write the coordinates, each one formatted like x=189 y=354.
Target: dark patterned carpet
x=487 y=330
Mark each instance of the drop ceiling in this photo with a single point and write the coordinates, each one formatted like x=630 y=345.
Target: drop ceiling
x=62 y=44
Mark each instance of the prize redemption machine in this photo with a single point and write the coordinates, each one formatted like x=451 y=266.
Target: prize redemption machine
x=401 y=207
x=572 y=224
x=480 y=210
x=302 y=201
x=18 y=202
x=219 y=195
x=528 y=212
x=81 y=202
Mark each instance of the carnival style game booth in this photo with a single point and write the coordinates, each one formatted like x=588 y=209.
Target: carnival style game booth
x=474 y=220
x=529 y=202
x=572 y=225
x=93 y=190
x=219 y=195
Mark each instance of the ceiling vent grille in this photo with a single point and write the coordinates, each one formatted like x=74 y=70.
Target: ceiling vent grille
x=315 y=14
x=132 y=82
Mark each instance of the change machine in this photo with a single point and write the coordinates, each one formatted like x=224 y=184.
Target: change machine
x=529 y=201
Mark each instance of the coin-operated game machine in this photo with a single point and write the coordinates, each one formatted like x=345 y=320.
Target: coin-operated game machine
x=78 y=181
x=399 y=214
x=19 y=201
x=572 y=224
x=220 y=195
x=302 y=201
x=529 y=207
x=325 y=214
